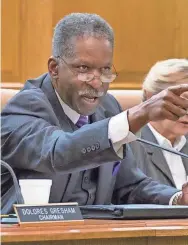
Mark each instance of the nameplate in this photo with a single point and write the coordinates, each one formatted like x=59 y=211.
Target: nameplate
x=54 y=212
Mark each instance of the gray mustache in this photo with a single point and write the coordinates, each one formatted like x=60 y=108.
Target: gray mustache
x=91 y=93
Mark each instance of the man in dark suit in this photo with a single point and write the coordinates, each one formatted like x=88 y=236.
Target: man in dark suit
x=160 y=165
x=42 y=126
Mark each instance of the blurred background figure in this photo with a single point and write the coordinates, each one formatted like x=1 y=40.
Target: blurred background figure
x=163 y=166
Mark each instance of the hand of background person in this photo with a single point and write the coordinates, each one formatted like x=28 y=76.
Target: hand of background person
x=183 y=199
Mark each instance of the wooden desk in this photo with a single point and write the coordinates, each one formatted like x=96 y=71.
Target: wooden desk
x=137 y=232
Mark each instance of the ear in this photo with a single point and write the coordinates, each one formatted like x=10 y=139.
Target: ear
x=53 y=67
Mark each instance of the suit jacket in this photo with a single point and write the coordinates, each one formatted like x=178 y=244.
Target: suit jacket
x=38 y=141
x=152 y=161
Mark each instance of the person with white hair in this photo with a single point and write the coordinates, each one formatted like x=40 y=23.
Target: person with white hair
x=164 y=166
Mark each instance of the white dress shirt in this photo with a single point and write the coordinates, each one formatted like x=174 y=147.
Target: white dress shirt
x=174 y=162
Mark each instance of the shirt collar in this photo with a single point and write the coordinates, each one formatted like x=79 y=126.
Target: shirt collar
x=178 y=145
x=72 y=115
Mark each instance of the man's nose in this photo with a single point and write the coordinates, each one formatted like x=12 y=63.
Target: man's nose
x=96 y=81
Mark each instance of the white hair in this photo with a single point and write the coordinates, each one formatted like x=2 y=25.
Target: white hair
x=166 y=73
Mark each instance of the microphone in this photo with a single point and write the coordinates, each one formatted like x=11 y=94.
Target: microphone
x=19 y=196
x=109 y=114
x=163 y=148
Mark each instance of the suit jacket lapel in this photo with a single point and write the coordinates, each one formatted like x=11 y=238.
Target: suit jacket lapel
x=98 y=115
x=64 y=121
x=67 y=125
x=105 y=171
x=55 y=195
x=185 y=160
x=157 y=156
x=104 y=183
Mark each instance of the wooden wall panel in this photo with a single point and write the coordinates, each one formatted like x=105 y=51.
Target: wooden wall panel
x=11 y=41
x=145 y=31
x=26 y=38
x=181 y=27
x=36 y=36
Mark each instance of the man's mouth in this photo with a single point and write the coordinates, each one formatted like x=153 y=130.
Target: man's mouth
x=90 y=99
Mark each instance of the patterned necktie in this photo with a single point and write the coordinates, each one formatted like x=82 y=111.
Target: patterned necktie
x=82 y=121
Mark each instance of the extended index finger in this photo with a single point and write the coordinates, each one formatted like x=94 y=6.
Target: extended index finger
x=179 y=89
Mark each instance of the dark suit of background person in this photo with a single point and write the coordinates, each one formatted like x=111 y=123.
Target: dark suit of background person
x=39 y=141
x=152 y=161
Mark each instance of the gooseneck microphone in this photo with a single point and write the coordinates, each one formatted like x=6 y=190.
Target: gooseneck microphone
x=163 y=148
x=108 y=114
x=19 y=196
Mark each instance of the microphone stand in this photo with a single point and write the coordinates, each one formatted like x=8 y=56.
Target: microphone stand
x=19 y=196
x=163 y=148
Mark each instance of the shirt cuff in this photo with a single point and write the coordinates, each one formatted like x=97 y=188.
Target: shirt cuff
x=118 y=132
x=172 y=198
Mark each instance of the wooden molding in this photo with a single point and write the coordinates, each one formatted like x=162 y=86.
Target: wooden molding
x=12 y=85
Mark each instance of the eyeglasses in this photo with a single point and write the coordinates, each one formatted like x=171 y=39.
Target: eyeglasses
x=106 y=77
